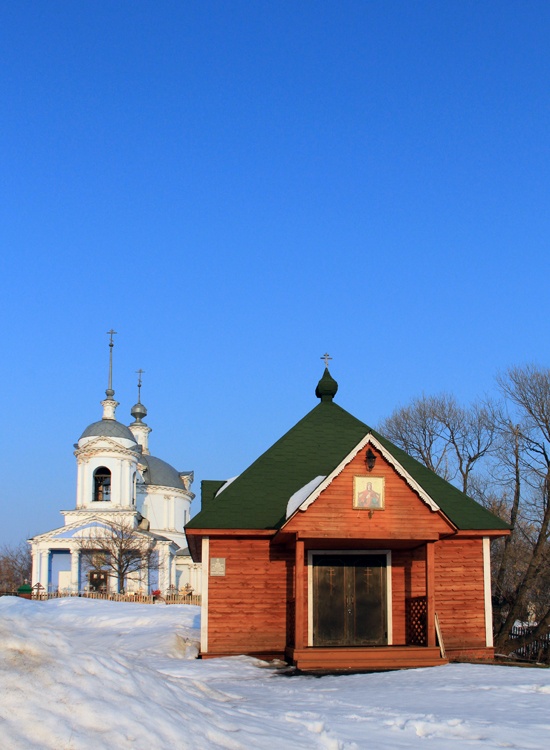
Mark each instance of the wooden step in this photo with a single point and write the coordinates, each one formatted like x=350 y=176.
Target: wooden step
x=374 y=658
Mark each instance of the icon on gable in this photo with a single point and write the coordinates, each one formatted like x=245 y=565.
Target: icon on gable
x=368 y=492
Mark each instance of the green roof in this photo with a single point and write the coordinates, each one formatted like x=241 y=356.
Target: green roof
x=314 y=447
x=257 y=499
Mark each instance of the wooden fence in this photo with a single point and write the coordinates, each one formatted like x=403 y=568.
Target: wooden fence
x=132 y=597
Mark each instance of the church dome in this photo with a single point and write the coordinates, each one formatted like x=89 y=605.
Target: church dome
x=327 y=387
x=160 y=474
x=108 y=428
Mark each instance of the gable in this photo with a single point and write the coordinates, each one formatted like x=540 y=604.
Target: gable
x=72 y=530
x=319 y=484
x=80 y=530
x=339 y=508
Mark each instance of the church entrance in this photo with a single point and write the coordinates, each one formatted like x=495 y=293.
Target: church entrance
x=97 y=581
x=349 y=600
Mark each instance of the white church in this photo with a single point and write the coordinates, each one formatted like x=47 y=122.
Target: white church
x=120 y=485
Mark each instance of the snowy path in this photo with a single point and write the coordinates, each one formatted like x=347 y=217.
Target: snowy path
x=82 y=675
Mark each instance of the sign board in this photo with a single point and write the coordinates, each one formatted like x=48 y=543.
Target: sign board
x=217 y=566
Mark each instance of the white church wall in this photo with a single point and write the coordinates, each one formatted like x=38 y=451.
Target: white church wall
x=166 y=508
x=60 y=569
x=122 y=470
x=187 y=573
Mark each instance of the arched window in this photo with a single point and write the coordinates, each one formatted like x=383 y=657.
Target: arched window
x=102 y=484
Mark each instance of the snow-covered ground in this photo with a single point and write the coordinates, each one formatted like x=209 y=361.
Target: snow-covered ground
x=78 y=675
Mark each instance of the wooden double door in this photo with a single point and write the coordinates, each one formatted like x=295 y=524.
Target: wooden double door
x=349 y=600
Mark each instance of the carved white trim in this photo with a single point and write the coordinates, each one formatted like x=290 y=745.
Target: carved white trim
x=369 y=439
x=111 y=448
x=159 y=489
x=204 y=588
x=86 y=516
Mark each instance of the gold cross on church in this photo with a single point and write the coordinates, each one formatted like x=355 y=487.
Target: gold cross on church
x=326 y=357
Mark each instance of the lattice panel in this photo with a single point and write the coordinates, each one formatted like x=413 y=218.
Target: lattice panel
x=416 y=621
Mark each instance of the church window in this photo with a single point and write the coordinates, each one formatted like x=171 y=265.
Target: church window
x=102 y=484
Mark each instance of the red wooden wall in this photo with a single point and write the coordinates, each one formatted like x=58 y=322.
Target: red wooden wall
x=247 y=608
x=460 y=593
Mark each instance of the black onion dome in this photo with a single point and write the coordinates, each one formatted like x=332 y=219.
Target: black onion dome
x=326 y=387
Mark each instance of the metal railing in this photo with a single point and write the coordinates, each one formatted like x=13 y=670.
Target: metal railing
x=536 y=650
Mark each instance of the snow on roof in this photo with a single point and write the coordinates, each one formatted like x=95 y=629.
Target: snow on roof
x=226 y=485
x=302 y=494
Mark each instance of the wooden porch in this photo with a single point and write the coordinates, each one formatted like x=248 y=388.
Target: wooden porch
x=375 y=658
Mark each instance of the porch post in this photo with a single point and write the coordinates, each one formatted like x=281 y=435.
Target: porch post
x=204 y=593
x=487 y=587
x=299 y=595
x=430 y=594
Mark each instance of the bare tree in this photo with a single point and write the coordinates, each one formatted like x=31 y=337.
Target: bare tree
x=15 y=565
x=500 y=455
x=447 y=438
x=418 y=430
x=471 y=433
x=119 y=547
x=522 y=581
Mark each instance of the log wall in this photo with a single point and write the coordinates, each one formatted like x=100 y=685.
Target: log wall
x=251 y=607
x=247 y=608
x=459 y=592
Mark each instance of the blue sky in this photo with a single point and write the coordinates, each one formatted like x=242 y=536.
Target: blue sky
x=238 y=187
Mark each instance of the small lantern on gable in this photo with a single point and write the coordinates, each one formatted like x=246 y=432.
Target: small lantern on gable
x=370 y=459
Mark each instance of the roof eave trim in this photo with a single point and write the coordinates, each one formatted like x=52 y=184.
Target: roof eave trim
x=482 y=532
x=225 y=531
x=369 y=439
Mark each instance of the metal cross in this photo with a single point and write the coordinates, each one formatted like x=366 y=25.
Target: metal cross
x=109 y=392
x=139 y=374
x=326 y=357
